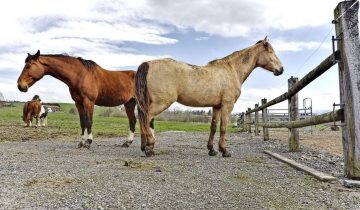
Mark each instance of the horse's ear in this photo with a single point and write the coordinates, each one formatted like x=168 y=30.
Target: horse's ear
x=265 y=42
x=36 y=56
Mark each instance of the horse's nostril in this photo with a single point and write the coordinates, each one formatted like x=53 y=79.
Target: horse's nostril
x=281 y=70
x=22 y=89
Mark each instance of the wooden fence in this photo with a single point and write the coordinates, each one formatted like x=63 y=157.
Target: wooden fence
x=348 y=59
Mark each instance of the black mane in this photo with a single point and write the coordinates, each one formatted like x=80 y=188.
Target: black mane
x=88 y=64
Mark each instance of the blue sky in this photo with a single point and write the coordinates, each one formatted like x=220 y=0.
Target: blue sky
x=121 y=34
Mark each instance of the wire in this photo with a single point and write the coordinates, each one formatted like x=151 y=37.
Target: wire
x=346 y=10
x=315 y=51
x=325 y=38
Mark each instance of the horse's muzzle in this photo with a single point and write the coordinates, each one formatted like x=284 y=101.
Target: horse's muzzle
x=22 y=89
x=277 y=73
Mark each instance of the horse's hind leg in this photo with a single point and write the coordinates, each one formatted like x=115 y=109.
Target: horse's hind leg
x=154 y=109
x=130 y=112
x=143 y=138
x=225 y=113
x=214 y=122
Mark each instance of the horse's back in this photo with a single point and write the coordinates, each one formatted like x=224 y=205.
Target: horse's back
x=188 y=84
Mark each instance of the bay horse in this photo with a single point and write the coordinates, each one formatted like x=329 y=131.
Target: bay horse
x=159 y=83
x=89 y=85
x=32 y=109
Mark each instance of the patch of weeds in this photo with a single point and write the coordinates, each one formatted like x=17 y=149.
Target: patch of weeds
x=276 y=204
x=254 y=159
x=51 y=182
x=140 y=166
x=244 y=179
x=163 y=152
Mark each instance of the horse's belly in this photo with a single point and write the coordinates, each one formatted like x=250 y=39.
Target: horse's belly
x=198 y=101
x=110 y=102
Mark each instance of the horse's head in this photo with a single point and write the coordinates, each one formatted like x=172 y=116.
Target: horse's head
x=31 y=73
x=267 y=58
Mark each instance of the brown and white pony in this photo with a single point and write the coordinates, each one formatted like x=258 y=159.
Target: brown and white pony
x=32 y=109
x=159 y=83
x=89 y=85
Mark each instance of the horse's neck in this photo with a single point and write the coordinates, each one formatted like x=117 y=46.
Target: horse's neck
x=247 y=67
x=61 y=70
x=244 y=62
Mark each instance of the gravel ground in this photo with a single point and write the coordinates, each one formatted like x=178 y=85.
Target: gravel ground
x=55 y=175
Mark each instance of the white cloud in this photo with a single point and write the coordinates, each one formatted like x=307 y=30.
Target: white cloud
x=293 y=46
x=202 y=38
x=242 y=17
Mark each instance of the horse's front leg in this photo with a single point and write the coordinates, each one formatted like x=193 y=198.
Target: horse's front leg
x=81 y=112
x=225 y=113
x=130 y=112
x=88 y=137
x=214 y=122
x=37 y=121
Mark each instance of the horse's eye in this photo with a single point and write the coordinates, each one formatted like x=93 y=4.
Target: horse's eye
x=27 y=66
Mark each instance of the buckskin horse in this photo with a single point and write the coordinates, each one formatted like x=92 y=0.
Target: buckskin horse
x=89 y=85
x=216 y=85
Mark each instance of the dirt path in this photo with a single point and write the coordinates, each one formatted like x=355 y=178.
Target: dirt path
x=55 y=175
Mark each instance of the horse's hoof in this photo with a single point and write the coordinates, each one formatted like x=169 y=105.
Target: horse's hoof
x=226 y=154
x=87 y=146
x=81 y=144
x=212 y=152
x=149 y=152
x=126 y=144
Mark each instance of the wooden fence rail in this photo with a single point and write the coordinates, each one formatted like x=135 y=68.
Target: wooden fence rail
x=307 y=79
x=315 y=120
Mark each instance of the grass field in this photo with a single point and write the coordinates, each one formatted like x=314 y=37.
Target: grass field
x=64 y=125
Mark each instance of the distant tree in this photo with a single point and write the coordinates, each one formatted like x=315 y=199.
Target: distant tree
x=2 y=97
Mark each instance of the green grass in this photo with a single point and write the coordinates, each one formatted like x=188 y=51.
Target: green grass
x=64 y=125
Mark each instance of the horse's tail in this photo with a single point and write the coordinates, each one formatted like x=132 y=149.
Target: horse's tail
x=25 y=111
x=142 y=96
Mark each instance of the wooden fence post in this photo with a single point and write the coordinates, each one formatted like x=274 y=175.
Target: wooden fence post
x=243 y=121
x=246 y=122
x=256 y=120
x=347 y=34
x=265 y=119
x=293 y=115
x=249 y=121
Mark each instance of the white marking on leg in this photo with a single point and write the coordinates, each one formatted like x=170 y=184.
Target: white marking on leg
x=131 y=136
x=90 y=136
x=85 y=134
x=152 y=132
x=30 y=124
